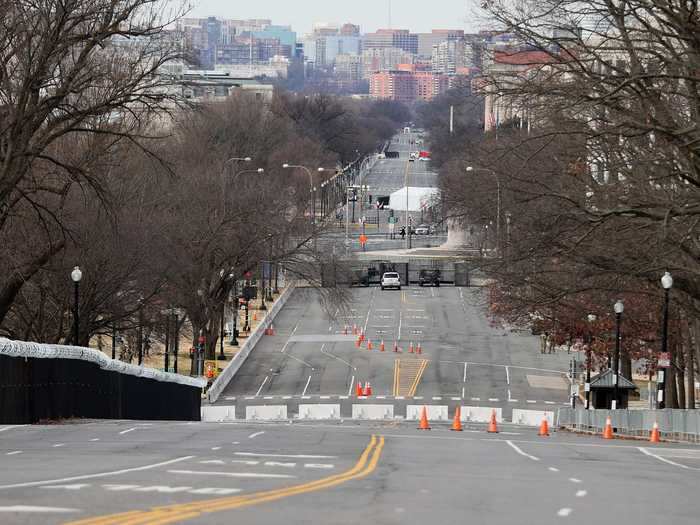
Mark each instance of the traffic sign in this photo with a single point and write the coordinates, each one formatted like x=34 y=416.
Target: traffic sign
x=392 y=220
x=664 y=360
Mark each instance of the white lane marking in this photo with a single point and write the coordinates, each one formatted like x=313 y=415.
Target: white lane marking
x=494 y=399
x=660 y=458
x=127 y=431
x=212 y=462
x=507 y=376
x=581 y=494
x=98 y=475
x=95 y=439
x=256 y=434
x=400 y=321
x=163 y=489
x=464 y=375
x=476 y=399
x=216 y=448
x=307 y=386
x=463 y=392
x=564 y=512
x=324 y=397
x=520 y=451
x=417 y=397
x=574 y=480
x=343 y=397
x=319 y=465
x=297 y=456
x=300 y=361
x=231 y=474
x=323 y=351
x=456 y=399
x=509 y=396
x=531 y=401
x=352 y=383
x=269 y=397
x=35 y=509
x=59 y=445
x=3 y=429
x=553 y=469
x=279 y=464
x=14 y=453
x=262 y=385
x=549 y=403
x=511 y=400
x=437 y=398
x=75 y=486
x=247 y=462
x=214 y=491
x=380 y=397
x=284 y=348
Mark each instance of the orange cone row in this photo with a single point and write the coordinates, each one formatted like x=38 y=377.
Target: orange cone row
x=363 y=392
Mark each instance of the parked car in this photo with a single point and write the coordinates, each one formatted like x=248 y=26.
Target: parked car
x=431 y=277
x=423 y=229
x=390 y=280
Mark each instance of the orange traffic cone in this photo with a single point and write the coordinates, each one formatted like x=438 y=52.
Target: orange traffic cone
x=362 y=336
x=544 y=427
x=418 y=349
x=410 y=347
x=381 y=346
x=423 y=425
x=255 y=316
x=358 y=389
x=608 y=431
x=493 y=427
x=365 y=391
x=368 y=389
x=396 y=347
x=369 y=345
x=457 y=422
x=655 y=437
x=272 y=329
x=358 y=342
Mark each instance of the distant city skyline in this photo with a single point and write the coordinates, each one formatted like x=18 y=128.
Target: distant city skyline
x=370 y=15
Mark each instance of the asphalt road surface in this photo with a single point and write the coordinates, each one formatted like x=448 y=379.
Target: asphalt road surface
x=464 y=359
x=157 y=473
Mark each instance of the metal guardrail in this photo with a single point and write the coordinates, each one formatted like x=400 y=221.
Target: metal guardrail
x=237 y=362
x=46 y=351
x=681 y=425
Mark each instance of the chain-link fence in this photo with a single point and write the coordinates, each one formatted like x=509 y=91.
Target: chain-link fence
x=679 y=425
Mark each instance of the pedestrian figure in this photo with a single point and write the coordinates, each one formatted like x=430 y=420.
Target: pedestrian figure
x=543 y=342
x=403 y=232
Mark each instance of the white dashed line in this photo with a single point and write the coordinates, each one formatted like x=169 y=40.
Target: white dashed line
x=476 y=399
x=306 y=387
x=521 y=452
x=507 y=376
x=231 y=474
x=36 y=510
x=553 y=469
x=494 y=399
x=216 y=448
x=256 y=434
x=574 y=480
x=296 y=456
x=59 y=445
x=464 y=375
x=261 y=386
x=95 y=439
x=564 y=512
x=532 y=402
x=511 y=400
x=660 y=458
x=14 y=453
x=127 y=431
x=581 y=494
x=437 y=398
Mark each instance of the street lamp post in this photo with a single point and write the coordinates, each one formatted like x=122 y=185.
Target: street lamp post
x=234 y=312
x=619 y=307
x=591 y=320
x=224 y=179
x=222 y=356
x=311 y=186
x=76 y=275
x=666 y=283
x=498 y=205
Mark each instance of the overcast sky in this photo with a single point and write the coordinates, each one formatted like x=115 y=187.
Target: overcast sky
x=417 y=15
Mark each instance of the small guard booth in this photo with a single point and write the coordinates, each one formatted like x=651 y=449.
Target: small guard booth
x=603 y=390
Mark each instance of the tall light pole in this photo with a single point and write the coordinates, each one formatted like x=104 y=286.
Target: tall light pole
x=666 y=283
x=311 y=187
x=498 y=205
x=76 y=275
x=589 y=355
x=619 y=307
x=224 y=179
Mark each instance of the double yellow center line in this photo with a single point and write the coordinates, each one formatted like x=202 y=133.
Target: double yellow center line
x=181 y=512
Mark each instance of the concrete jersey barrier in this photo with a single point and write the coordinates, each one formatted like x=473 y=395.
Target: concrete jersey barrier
x=236 y=363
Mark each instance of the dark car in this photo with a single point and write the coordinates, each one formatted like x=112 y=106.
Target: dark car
x=431 y=277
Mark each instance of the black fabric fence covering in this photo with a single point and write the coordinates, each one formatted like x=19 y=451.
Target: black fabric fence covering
x=36 y=389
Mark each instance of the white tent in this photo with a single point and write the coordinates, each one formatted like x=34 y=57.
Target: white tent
x=418 y=198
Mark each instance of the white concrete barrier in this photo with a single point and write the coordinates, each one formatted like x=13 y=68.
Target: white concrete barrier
x=532 y=418
x=435 y=412
x=217 y=414
x=319 y=412
x=480 y=414
x=373 y=411
x=267 y=412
